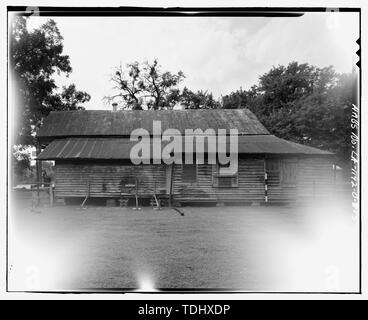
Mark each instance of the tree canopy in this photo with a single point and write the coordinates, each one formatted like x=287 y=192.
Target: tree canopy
x=145 y=85
x=302 y=103
x=35 y=56
x=198 y=100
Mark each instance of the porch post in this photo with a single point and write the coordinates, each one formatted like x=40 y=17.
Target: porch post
x=38 y=172
x=169 y=181
x=265 y=180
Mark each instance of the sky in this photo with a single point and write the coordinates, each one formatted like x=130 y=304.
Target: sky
x=216 y=54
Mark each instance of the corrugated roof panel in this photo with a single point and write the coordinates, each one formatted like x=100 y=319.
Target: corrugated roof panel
x=119 y=148
x=122 y=123
x=77 y=148
x=69 y=148
x=87 y=148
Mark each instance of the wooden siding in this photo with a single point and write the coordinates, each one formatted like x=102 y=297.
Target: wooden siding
x=106 y=179
x=250 y=184
x=315 y=177
x=313 y=180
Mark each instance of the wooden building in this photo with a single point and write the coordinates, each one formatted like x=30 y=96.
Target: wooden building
x=91 y=150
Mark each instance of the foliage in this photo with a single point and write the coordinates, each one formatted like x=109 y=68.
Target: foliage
x=302 y=103
x=239 y=99
x=69 y=99
x=145 y=84
x=21 y=160
x=197 y=100
x=34 y=58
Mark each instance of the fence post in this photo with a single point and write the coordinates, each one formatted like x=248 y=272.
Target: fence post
x=51 y=194
x=38 y=172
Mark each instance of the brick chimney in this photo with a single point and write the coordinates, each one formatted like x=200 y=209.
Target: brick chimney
x=114 y=106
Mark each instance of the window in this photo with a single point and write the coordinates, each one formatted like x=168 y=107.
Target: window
x=225 y=182
x=189 y=173
x=221 y=179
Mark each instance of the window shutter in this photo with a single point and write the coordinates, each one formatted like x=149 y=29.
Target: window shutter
x=225 y=182
x=189 y=173
x=234 y=181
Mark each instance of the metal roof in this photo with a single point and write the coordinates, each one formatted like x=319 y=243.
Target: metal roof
x=119 y=148
x=122 y=123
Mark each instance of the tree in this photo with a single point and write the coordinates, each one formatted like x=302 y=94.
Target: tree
x=197 y=100
x=145 y=85
x=239 y=99
x=283 y=85
x=302 y=103
x=129 y=85
x=322 y=119
x=34 y=58
x=21 y=160
x=159 y=84
x=69 y=99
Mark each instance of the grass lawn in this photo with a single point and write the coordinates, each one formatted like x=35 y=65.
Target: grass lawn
x=237 y=248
